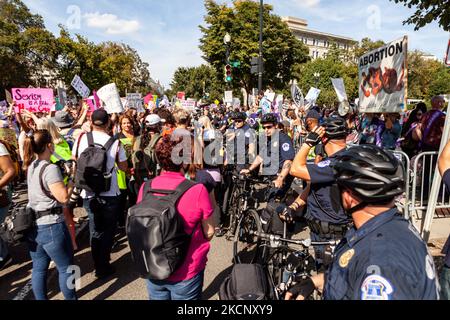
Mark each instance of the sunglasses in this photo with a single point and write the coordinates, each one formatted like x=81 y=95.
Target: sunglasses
x=238 y=121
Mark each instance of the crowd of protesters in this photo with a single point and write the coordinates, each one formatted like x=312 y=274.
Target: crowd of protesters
x=140 y=148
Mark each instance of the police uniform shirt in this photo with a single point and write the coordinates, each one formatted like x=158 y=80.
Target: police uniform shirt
x=285 y=151
x=383 y=260
x=446 y=249
x=324 y=200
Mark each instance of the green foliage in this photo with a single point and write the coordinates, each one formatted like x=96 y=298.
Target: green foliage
x=281 y=50
x=428 y=11
x=196 y=82
x=31 y=55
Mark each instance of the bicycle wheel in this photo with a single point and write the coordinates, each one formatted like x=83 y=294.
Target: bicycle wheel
x=234 y=205
x=246 y=244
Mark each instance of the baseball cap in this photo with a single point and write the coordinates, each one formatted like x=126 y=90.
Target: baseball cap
x=313 y=114
x=100 y=117
x=153 y=119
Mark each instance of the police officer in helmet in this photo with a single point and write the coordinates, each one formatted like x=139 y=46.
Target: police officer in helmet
x=324 y=215
x=383 y=256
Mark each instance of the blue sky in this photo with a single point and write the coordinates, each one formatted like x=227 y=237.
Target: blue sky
x=166 y=33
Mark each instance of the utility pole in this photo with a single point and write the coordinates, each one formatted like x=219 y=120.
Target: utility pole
x=260 y=73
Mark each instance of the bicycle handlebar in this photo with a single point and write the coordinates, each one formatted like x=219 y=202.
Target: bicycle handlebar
x=306 y=243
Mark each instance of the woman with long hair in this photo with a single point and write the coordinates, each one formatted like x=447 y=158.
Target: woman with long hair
x=47 y=194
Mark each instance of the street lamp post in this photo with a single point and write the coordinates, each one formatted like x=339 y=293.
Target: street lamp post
x=260 y=67
x=227 y=41
x=317 y=77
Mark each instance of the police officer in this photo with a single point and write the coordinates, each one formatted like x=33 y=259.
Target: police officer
x=325 y=216
x=242 y=140
x=383 y=256
x=278 y=164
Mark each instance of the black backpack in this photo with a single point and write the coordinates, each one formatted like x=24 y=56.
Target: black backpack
x=92 y=173
x=156 y=234
x=246 y=282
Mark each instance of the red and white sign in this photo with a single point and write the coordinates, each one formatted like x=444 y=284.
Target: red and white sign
x=33 y=100
x=181 y=95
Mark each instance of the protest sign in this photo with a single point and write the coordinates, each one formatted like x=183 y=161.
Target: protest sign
x=339 y=87
x=228 y=97
x=4 y=108
x=265 y=105
x=181 y=95
x=91 y=104
x=135 y=101
x=62 y=96
x=9 y=135
x=277 y=104
x=236 y=103
x=80 y=87
x=270 y=96
x=216 y=102
x=188 y=105
x=383 y=78
x=312 y=96
x=111 y=98
x=33 y=100
x=9 y=98
x=297 y=96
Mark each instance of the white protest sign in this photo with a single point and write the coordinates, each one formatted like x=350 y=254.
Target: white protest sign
x=80 y=87
x=236 y=102
x=265 y=105
x=111 y=98
x=339 y=87
x=278 y=103
x=270 y=95
x=189 y=105
x=383 y=78
x=297 y=96
x=447 y=59
x=62 y=95
x=312 y=95
x=135 y=101
x=228 y=97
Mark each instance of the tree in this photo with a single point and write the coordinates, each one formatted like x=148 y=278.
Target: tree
x=27 y=49
x=366 y=45
x=281 y=50
x=196 y=82
x=428 y=11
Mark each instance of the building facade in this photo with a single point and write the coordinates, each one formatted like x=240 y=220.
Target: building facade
x=319 y=43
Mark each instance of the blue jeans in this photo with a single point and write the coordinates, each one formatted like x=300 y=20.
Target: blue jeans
x=444 y=281
x=184 y=290
x=47 y=243
x=3 y=246
x=102 y=227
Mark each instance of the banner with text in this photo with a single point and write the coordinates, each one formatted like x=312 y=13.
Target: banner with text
x=111 y=98
x=383 y=78
x=34 y=100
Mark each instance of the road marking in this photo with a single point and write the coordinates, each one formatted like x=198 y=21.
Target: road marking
x=25 y=291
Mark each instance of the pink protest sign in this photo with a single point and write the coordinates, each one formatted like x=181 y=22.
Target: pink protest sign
x=33 y=100
x=148 y=98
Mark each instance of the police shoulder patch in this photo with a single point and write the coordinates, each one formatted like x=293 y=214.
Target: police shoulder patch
x=324 y=164
x=286 y=147
x=247 y=134
x=376 y=287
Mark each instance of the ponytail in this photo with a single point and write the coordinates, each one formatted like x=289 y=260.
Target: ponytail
x=35 y=144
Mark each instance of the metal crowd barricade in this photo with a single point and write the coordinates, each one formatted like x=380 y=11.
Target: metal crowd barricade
x=422 y=176
x=404 y=203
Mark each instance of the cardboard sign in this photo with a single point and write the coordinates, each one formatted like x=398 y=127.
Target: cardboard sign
x=312 y=96
x=80 y=87
x=135 y=101
x=297 y=96
x=188 y=105
x=339 y=87
x=383 y=78
x=9 y=135
x=9 y=97
x=33 y=100
x=228 y=97
x=111 y=98
x=265 y=105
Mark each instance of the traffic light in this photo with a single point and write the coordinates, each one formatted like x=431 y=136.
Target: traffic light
x=228 y=73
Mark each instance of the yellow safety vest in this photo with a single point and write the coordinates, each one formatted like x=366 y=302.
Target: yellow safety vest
x=121 y=175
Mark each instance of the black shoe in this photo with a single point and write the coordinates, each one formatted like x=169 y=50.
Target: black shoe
x=219 y=233
x=103 y=274
x=6 y=262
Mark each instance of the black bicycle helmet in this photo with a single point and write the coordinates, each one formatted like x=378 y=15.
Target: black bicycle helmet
x=370 y=173
x=269 y=118
x=239 y=116
x=335 y=128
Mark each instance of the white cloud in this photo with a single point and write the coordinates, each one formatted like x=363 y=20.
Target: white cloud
x=307 y=3
x=111 y=24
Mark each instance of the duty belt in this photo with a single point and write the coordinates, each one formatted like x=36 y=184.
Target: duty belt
x=326 y=229
x=53 y=211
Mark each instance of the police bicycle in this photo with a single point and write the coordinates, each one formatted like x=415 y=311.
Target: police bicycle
x=287 y=261
x=244 y=196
